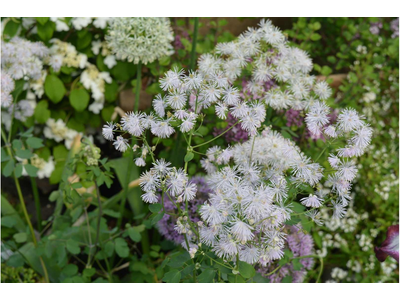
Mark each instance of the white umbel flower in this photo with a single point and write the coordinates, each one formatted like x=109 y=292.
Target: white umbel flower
x=140 y=39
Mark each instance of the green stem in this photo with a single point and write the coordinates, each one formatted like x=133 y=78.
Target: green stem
x=125 y=197
x=205 y=143
x=100 y=214
x=194 y=43
x=321 y=269
x=37 y=203
x=21 y=199
x=138 y=85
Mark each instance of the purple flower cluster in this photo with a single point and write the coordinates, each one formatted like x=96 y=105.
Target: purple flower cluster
x=375 y=27
x=236 y=134
x=167 y=223
x=300 y=244
x=294 y=118
x=178 y=43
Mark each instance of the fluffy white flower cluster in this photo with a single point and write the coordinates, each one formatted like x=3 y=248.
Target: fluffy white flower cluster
x=174 y=182
x=22 y=59
x=7 y=86
x=245 y=215
x=265 y=52
x=140 y=39
x=58 y=131
x=250 y=203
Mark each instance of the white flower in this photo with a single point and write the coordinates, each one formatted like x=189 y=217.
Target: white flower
x=161 y=166
x=242 y=231
x=162 y=129
x=312 y=201
x=159 y=105
x=189 y=192
x=347 y=171
x=172 y=79
x=110 y=61
x=176 y=100
x=132 y=122
x=101 y=22
x=221 y=110
x=330 y=131
x=108 y=131
x=323 y=90
x=349 y=120
x=149 y=181
x=80 y=23
x=140 y=39
x=121 y=144
x=249 y=254
x=186 y=125
x=140 y=162
x=150 y=197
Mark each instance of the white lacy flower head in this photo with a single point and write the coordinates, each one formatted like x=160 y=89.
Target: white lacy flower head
x=58 y=131
x=22 y=59
x=140 y=39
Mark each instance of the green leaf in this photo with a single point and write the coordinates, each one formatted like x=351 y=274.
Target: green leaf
x=8 y=221
x=73 y=246
x=287 y=279
x=11 y=28
x=89 y=272
x=121 y=247
x=315 y=37
x=326 y=70
x=4 y=155
x=18 y=170
x=246 y=270
x=70 y=270
x=9 y=168
x=107 y=112
x=79 y=99
x=42 y=114
x=20 y=237
x=179 y=260
x=35 y=142
x=42 y=20
x=134 y=234
x=156 y=217
x=24 y=154
x=111 y=91
x=189 y=156
x=173 y=276
x=207 y=276
x=17 y=144
x=156 y=207
x=45 y=31
x=297 y=265
x=54 y=88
